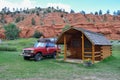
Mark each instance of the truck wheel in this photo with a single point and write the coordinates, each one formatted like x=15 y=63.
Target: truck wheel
x=54 y=55
x=38 y=57
x=26 y=58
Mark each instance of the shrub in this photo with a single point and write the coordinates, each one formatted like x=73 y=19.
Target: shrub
x=11 y=31
x=18 y=19
x=7 y=48
x=33 y=21
x=37 y=34
x=65 y=28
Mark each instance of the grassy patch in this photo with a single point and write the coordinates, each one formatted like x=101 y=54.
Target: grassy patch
x=7 y=48
x=12 y=66
x=19 y=44
x=116 y=45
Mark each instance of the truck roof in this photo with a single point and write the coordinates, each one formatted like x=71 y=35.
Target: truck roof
x=53 y=40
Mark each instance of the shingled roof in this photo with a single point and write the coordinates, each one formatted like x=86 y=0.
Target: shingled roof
x=95 y=38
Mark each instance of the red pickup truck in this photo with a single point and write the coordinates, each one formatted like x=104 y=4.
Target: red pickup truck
x=44 y=47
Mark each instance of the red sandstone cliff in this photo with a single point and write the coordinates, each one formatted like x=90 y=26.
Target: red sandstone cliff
x=51 y=24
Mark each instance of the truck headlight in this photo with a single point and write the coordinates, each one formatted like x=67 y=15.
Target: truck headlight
x=31 y=51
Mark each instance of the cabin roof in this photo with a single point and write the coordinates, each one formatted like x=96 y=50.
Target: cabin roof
x=95 y=38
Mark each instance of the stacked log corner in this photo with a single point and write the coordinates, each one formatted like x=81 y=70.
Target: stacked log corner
x=105 y=51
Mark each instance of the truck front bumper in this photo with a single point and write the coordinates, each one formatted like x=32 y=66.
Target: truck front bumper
x=27 y=54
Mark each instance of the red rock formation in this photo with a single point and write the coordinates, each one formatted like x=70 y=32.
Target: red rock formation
x=51 y=24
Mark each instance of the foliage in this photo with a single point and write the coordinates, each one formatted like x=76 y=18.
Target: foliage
x=37 y=34
x=11 y=31
x=33 y=21
x=96 y=13
x=118 y=12
x=37 y=13
x=19 y=44
x=72 y=11
x=108 y=11
x=2 y=20
x=65 y=28
x=100 y=12
x=18 y=19
x=82 y=12
x=7 y=48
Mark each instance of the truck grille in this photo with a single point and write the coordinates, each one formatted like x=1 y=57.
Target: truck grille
x=27 y=51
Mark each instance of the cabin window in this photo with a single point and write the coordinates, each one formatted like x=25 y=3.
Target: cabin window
x=75 y=43
x=87 y=44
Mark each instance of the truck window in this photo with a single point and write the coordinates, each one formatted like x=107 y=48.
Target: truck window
x=39 y=44
x=50 y=45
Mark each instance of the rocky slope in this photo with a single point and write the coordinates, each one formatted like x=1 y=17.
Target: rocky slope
x=51 y=24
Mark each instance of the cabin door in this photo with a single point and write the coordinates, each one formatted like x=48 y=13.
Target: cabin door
x=76 y=49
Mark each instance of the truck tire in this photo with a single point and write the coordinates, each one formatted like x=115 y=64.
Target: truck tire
x=54 y=55
x=38 y=57
x=26 y=58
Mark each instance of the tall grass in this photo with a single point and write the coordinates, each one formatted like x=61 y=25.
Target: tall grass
x=17 y=44
x=8 y=48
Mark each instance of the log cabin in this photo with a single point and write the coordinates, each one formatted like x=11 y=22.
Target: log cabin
x=83 y=44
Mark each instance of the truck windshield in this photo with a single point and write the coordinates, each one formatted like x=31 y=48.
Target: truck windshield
x=40 y=44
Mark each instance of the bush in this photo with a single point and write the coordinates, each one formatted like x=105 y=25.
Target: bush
x=37 y=34
x=33 y=21
x=18 y=19
x=7 y=48
x=65 y=28
x=11 y=31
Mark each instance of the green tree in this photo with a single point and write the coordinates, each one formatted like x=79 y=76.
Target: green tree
x=108 y=11
x=37 y=34
x=72 y=11
x=115 y=13
x=66 y=27
x=100 y=12
x=11 y=31
x=82 y=12
x=33 y=21
x=2 y=20
x=96 y=13
x=18 y=19
x=118 y=12
x=37 y=13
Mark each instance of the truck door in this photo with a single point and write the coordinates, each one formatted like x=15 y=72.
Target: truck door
x=50 y=48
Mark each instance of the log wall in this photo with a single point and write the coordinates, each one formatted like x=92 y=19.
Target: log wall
x=105 y=51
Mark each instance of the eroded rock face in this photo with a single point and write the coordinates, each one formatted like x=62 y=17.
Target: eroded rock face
x=51 y=24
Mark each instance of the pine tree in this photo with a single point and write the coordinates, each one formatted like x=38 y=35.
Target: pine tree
x=100 y=12
x=108 y=11
x=96 y=13
x=33 y=21
x=72 y=11
x=118 y=12
x=114 y=13
x=18 y=19
x=82 y=12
